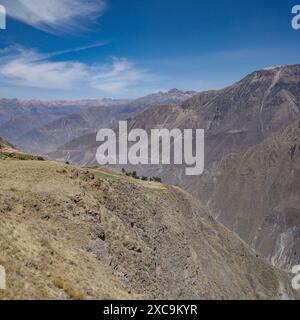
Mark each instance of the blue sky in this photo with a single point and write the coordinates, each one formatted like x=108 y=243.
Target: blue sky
x=73 y=49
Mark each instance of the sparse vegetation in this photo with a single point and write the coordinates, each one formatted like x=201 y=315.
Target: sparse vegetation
x=156 y=179
x=105 y=176
x=7 y=151
x=151 y=191
x=19 y=156
x=143 y=178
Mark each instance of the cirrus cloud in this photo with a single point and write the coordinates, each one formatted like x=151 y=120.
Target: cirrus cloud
x=21 y=67
x=117 y=76
x=55 y=16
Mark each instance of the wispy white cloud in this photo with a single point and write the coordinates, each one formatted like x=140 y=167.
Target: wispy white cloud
x=117 y=76
x=29 y=68
x=56 y=16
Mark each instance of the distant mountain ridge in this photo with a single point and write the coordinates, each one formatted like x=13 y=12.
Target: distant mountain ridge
x=42 y=126
x=235 y=117
x=17 y=117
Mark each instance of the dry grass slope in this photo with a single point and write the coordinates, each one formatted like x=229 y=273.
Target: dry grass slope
x=70 y=233
x=7 y=152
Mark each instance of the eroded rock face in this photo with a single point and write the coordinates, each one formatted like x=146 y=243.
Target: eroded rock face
x=262 y=203
x=131 y=239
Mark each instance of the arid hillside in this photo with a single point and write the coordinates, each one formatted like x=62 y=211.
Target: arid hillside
x=262 y=204
x=70 y=233
x=8 y=151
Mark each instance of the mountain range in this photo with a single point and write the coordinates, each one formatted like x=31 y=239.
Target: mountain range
x=43 y=126
x=242 y=119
